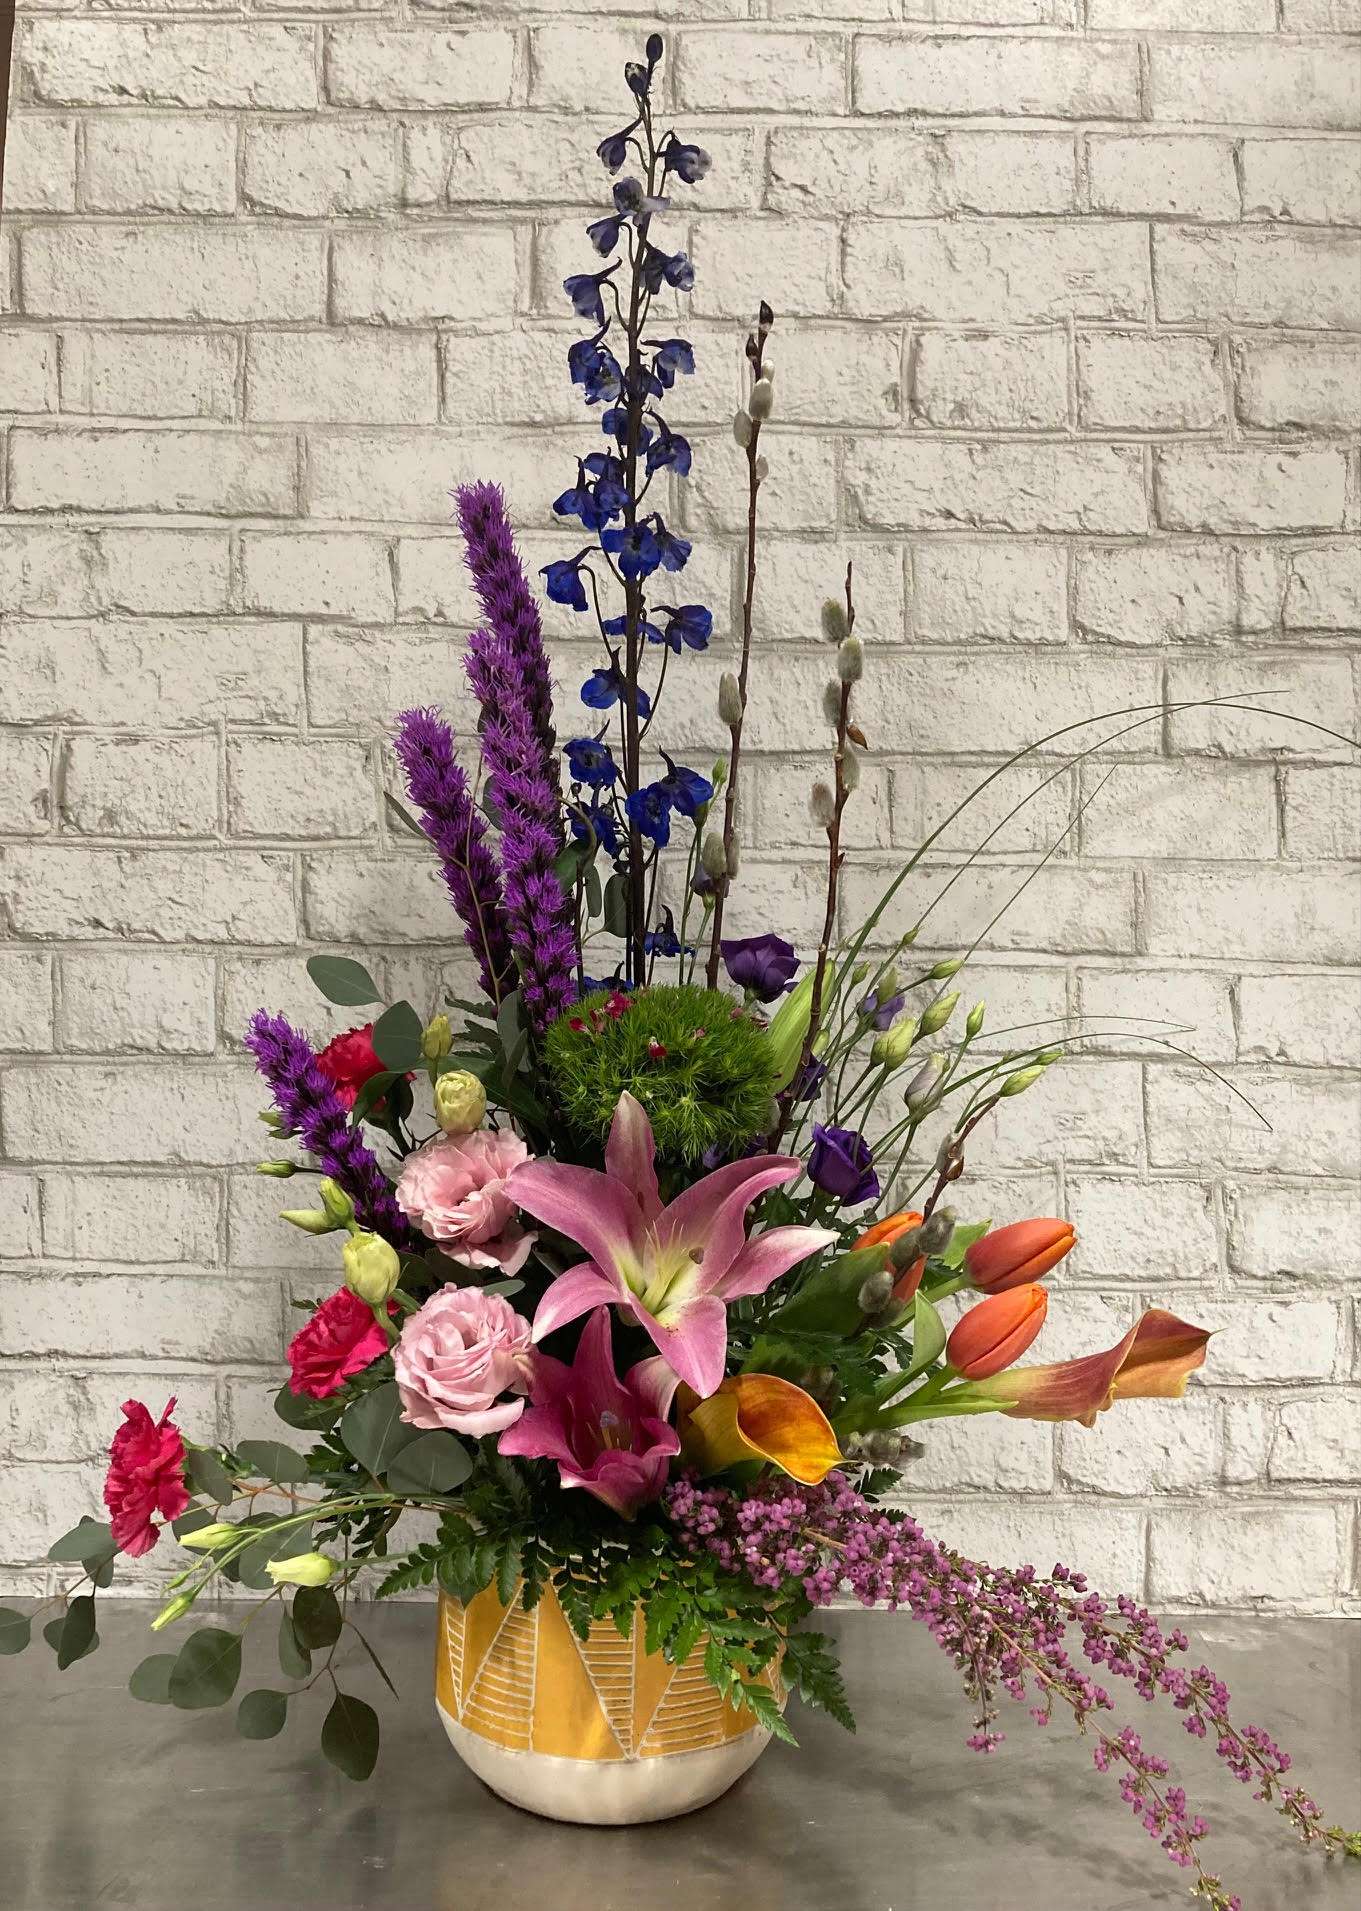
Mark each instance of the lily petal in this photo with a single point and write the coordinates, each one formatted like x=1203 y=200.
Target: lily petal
x=653 y=1383
x=590 y=1208
x=695 y=1344
x=765 y=1257
x=711 y=1212
x=759 y=1417
x=630 y=1155
x=575 y=1293
x=537 y=1435
x=1153 y=1360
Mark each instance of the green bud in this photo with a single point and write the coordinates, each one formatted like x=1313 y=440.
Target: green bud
x=891 y=1049
x=858 y=974
x=975 y=1022
x=729 y=699
x=1049 y=1055
x=741 y=429
x=876 y=1291
x=718 y=776
x=310 y=1220
x=338 y=1205
x=438 y=1037
x=906 y=941
x=834 y=626
x=850 y=660
x=939 y=1013
x=762 y=398
x=277 y=1170
x=273 y=1122
x=304 y=1569
x=372 y=1268
x=176 y=1609
x=944 y=970
x=714 y=857
x=1024 y=1078
x=207 y=1538
x=886 y=982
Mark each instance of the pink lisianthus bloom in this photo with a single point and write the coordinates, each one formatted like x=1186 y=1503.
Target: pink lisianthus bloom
x=342 y=1338
x=607 y=1434
x=454 y=1189
x=674 y=1268
x=457 y=1356
x=146 y=1476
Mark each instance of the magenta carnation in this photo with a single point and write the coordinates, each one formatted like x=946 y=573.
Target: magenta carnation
x=146 y=1476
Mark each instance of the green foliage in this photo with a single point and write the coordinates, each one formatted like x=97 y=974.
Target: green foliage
x=150 y=1681
x=262 y=1713
x=15 y=1628
x=295 y=1660
x=342 y=980
x=349 y=1736
x=317 y=1617
x=206 y=1670
x=711 y=1087
x=73 y=1635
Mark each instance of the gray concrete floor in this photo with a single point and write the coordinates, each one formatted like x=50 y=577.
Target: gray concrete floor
x=106 y=1802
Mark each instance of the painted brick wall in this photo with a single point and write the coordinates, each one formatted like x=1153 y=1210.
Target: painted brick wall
x=1068 y=363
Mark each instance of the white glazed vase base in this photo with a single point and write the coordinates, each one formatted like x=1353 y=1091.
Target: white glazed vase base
x=583 y=1791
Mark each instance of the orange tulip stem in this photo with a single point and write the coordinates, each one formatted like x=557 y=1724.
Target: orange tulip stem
x=946 y=1288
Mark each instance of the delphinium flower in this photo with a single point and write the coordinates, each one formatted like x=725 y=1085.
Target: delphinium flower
x=1008 y=1630
x=309 y=1106
x=627 y=371
x=438 y=787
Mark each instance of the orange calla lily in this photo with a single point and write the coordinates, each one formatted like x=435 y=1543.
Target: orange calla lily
x=883 y=1234
x=758 y=1417
x=1153 y=1361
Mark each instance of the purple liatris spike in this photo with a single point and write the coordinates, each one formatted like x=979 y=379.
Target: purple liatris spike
x=425 y=748
x=507 y=602
x=308 y=1105
x=523 y=786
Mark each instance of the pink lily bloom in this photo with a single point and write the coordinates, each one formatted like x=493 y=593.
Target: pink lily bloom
x=674 y=1268
x=606 y=1434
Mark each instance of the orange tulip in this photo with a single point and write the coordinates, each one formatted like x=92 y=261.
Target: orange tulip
x=996 y=1332
x=1151 y=1362
x=758 y=1417
x=883 y=1234
x=1013 y=1256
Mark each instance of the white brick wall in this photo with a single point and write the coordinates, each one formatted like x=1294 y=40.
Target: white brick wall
x=1069 y=363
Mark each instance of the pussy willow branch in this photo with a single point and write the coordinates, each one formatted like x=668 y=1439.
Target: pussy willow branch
x=756 y=345
x=834 y=860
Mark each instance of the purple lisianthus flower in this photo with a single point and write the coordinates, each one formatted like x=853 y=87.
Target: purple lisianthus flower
x=764 y=965
x=842 y=1164
x=810 y=1081
x=880 y=1013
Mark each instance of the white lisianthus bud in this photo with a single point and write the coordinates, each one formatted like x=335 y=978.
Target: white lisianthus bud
x=277 y=1170
x=834 y=626
x=974 y=1024
x=850 y=660
x=823 y=806
x=335 y=1201
x=891 y=1049
x=939 y=1013
x=206 y=1538
x=310 y=1220
x=714 y=857
x=886 y=983
x=1018 y=1083
x=460 y=1102
x=762 y=398
x=437 y=1038
x=923 y=1084
x=729 y=700
x=176 y=1609
x=1048 y=1055
x=944 y=970
x=304 y=1569
x=741 y=429
x=831 y=704
x=372 y=1268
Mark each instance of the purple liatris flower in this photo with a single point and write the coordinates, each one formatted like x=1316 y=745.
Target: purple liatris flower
x=506 y=599
x=841 y=1164
x=309 y=1106
x=439 y=789
x=763 y=964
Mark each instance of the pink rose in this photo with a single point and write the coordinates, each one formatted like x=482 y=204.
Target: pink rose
x=454 y=1189
x=342 y=1338
x=455 y=1356
x=146 y=1476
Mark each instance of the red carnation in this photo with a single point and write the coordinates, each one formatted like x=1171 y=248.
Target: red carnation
x=350 y=1060
x=146 y=1476
x=342 y=1338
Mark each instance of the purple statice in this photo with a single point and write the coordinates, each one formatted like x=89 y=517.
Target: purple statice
x=1006 y=1629
x=308 y=1105
x=522 y=783
x=508 y=603
x=437 y=786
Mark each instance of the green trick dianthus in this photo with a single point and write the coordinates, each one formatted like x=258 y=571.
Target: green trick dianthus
x=699 y=1063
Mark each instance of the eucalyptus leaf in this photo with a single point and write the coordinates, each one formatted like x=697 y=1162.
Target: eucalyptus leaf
x=341 y=980
x=316 y=1617
x=504 y=1288
x=206 y=1669
x=307 y=1415
x=78 y=1635
x=397 y=1038
x=262 y=1713
x=208 y=1476
x=16 y=1629
x=272 y=1460
x=295 y=1661
x=435 y=1463
x=92 y=1539
x=480 y=1065
x=349 y=1736
x=373 y=1429
x=594 y=894
x=370 y=1093
x=615 y=906
x=150 y=1681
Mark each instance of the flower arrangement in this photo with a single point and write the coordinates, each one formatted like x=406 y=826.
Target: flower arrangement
x=641 y=1268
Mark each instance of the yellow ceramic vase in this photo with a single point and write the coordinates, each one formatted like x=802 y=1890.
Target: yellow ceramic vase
x=595 y=1731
